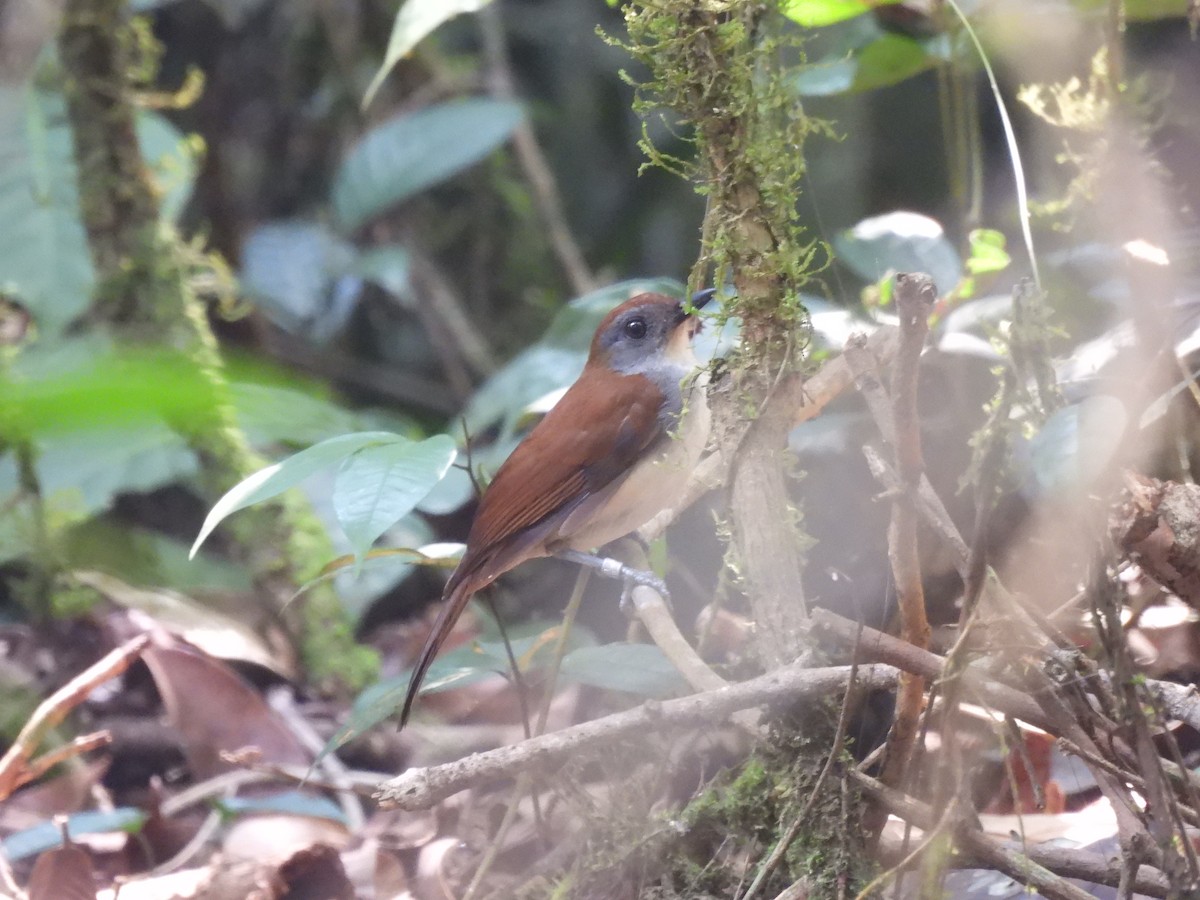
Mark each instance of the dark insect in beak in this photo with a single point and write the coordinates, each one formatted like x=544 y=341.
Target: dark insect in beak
x=698 y=300
x=702 y=297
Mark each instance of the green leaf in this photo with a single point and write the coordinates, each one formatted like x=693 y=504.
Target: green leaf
x=640 y=669
x=866 y=57
x=1073 y=448
x=415 y=20
x=818 y=13
x=289 y=268
x=47 y=835
x=891 y=59
x=81 y=473
x=988 y=253
x=1152 y=10
x=275 y=479
x=145 y=557
x=381 y=484
x=899 y=242
x=86 y=470
x=1140 y=10
x=386 y=266
x=408 y=154
x=288 y=803
x=172 y=157
x=270 y=414
x=44 y=258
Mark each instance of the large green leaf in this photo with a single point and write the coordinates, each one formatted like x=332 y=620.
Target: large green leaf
x=291 y=268
x=818 y=13
x=145 y=557
x=85 y=470
x=80 y=473
x=44 y=256
x=640 y=669
x=85 y=384
x=900 y=242
x=275 y=479
x=172 y=159
x=408 y=154
x=416 y=19
x=381 y=483
x=273 y=414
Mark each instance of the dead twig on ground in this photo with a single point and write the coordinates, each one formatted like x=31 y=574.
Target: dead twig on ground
x=16 y=768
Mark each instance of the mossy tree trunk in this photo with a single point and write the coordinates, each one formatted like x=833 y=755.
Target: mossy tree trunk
x=721 y=68
x=144 y=296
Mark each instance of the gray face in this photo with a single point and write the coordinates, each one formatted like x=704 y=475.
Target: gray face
x=635 y=340
x=638 y=343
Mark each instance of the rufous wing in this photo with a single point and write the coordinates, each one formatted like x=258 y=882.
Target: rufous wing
x=593 y=435
x=602 y=426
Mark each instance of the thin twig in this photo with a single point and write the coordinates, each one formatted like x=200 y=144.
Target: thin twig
x=1007 y=859
x=531 y=159
x=806 y=402
x=421 y=788
x=560 y=646
x=14 y=770
x=283 y=703
x=915 y=295
x=524 y=783
x=461 y=346
x=77 y=747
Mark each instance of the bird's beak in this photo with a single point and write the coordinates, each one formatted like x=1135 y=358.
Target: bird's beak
x=687 y=315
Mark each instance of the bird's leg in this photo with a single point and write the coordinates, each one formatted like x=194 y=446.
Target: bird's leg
x=614 y=568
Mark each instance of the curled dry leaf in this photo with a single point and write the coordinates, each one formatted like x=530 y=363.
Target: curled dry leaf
x=215 y=710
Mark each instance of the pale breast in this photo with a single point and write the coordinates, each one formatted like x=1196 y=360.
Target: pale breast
x=650 y=486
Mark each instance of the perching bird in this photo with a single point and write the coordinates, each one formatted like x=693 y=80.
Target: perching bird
x=617 y=449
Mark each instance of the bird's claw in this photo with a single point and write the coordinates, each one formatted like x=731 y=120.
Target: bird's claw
x=632 y=578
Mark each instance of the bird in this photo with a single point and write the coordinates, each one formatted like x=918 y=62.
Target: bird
x=613 y=452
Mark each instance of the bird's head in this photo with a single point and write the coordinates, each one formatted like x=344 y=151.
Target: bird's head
x=647 y=331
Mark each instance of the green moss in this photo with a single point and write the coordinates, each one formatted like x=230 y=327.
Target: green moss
x=725 y=76
x=744 y=816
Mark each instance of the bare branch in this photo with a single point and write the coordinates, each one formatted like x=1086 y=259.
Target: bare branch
x=422 y=788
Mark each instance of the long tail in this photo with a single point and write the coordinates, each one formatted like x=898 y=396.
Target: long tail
x=453 y=604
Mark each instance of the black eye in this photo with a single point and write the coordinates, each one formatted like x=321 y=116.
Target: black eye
x=635 y=328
